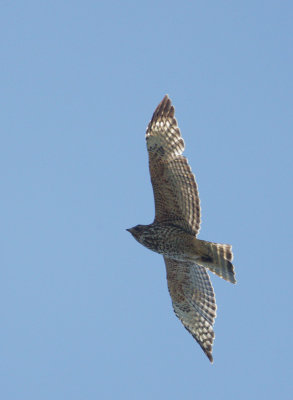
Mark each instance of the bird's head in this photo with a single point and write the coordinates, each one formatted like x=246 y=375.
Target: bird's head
x=136 y=231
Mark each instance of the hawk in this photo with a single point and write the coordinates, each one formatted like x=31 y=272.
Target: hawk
x=175 y=227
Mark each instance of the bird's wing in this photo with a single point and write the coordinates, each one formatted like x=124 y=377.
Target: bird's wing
x=174 y=186
x=193 y=300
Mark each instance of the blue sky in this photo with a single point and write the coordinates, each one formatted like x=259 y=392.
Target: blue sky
x=85 y=310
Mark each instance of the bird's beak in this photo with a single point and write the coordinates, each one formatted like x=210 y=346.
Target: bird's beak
x=128 y=230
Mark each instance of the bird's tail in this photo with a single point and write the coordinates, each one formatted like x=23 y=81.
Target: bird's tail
x=217 y=258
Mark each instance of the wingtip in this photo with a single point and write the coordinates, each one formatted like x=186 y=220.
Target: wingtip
x=208 y=353
x=164 y=108
x=166 y=100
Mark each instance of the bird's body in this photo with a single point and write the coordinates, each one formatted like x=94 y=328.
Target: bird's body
x=173 y=232
x=174 y=242
x=167 y=239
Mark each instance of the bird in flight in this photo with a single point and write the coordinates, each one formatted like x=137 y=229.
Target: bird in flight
x=175 y=227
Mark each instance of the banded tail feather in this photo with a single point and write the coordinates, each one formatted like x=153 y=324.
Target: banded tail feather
x=217 y=258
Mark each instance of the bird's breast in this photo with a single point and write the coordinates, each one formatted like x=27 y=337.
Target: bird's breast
x=170 y=241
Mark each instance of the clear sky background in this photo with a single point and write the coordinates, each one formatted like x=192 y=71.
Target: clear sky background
x=85 y=311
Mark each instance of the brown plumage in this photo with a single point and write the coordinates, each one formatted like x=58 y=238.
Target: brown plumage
x=176 y=224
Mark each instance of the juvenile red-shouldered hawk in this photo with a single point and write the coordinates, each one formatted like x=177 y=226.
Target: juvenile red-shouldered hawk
x=176 y=224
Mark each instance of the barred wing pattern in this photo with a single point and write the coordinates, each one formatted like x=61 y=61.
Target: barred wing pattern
x=193 y=300
x=174 y=186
